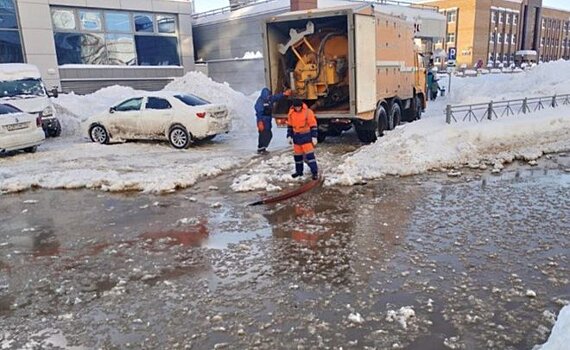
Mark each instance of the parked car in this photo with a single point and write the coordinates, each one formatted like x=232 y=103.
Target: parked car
x=21 y=86
x=177 y=117
x=19 y=130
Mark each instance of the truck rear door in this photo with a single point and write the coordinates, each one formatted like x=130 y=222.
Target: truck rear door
x=365 y=61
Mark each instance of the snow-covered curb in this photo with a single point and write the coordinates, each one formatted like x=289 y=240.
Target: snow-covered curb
x=560 y=337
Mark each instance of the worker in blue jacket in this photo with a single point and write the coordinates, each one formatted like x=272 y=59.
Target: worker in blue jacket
x=263 y=112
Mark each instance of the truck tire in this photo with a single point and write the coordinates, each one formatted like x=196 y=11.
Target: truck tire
x=395 y=116
x=418 y=108
x=381 y=120
x=366 y=133
x=321 y=136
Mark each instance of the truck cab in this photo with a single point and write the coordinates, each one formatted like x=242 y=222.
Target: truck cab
x=21 y=86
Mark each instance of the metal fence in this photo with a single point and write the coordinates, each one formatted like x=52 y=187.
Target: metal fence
x=493 y=110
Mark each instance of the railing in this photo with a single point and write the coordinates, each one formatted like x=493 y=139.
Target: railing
x=493 y=110
x=229 y=8
x=257 y=2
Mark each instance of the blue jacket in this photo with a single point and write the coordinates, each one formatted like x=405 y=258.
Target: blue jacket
x=263 y=98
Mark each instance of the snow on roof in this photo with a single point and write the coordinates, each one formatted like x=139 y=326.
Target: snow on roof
x=248 y=11
x=18 y=71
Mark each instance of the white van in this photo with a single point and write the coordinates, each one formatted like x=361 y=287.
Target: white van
x=21 y=86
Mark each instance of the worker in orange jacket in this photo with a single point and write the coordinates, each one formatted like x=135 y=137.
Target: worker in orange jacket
x=302 y=134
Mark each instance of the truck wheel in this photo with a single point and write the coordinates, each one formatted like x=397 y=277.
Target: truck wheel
x=418 y=105
x=382 y=120
x=366 y=131
x=321 y=136
x=395 y=116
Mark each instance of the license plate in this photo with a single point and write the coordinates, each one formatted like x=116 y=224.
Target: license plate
x=17 y=126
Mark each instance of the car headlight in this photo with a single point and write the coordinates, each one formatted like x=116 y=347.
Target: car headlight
x=47 y=112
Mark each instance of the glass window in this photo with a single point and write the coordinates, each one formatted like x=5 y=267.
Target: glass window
x=508 y=18
x=78 y=48
x=192 y=100
x=166 y=23
x=133 y=104
x=451 y=16
x=493 y=16
x=492 y=37
x=90 y=20
x=120 y=49
x=450 y=37
x=22 y=87
x=118 y=22
x=157 y=103
x=8 y=109
x=515 y=18
x=157 y=50
x=144 y=22
x=8 y=18
x=10 y=47
x=63 y=19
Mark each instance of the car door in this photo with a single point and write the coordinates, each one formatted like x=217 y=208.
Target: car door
x=155 y=117
x=123 y=122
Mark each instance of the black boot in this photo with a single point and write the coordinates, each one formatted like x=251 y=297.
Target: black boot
x=296 y=175
x=315 y=176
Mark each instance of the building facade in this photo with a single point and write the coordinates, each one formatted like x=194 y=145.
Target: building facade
x=83 y=45
x=490 y=32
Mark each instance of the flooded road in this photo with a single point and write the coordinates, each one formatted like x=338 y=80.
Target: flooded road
x=423 y=262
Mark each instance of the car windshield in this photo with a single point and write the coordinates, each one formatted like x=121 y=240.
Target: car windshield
x=192 y=100
x=22 y=88
x=7 y=109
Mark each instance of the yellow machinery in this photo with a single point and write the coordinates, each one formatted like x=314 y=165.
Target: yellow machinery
x=320 y=71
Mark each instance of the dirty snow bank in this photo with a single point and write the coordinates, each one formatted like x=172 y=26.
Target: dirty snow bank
x=427 y=144
x=560 y=336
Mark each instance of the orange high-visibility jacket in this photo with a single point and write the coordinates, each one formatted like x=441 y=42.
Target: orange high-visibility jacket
x=302 y=126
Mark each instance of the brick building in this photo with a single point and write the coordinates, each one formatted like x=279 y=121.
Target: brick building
x=492 y=31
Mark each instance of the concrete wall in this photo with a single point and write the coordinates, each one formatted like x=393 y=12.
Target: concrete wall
x=246 y=76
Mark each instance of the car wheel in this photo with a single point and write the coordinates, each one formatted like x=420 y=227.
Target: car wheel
x=55 y=132
x=98 y=133
x=179 y=138
x=32 y=149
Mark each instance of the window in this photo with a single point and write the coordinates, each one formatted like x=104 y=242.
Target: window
x=451 y=16
x=118 y=22
x=166 y=23
x=121 y=49
x=8 y=109
x=157 y=103
x=493 y=16
x=157 y=50
x=492 y=38
x=133 y=104
x=542 y=40
x=499 y=38
x=144 y=22
x=500 y=17
x=451 y=37
x=78 y=48
x=63 y=19
x=192 y=100
x=515 y=19
x=10 y=42
x=514 y=39
x=543 y=23
x=91 y=36
x=507 y=38
x=90 y=20
x=508 y=18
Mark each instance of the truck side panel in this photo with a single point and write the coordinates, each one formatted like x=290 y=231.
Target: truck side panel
x=365 y=34
x=394 y=58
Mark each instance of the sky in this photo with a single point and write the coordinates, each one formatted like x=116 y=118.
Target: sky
x=205 y=5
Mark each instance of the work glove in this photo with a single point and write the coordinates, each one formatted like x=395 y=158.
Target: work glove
x=290 y=140
x=315 y=141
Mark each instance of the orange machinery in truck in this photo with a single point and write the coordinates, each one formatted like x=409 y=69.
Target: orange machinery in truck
x=353 y=65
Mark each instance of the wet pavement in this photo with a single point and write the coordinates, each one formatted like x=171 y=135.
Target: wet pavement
x=424 y=262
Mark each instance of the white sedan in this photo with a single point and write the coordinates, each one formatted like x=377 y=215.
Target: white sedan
x=177 y=117
x=19 y=130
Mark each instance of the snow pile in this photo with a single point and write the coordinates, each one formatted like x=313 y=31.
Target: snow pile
x=18 y=71
x=431 y=144
x=252 y=55
x=239 y=105
x=274 y=169
x=543 y=80
x=560 y=336
x=403 y=316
